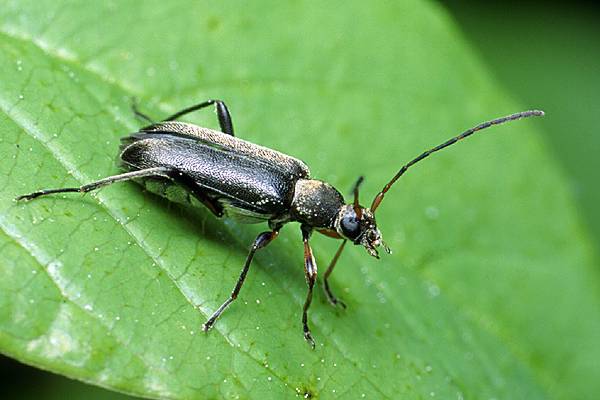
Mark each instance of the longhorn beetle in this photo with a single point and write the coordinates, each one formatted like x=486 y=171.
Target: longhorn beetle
x=238 y=179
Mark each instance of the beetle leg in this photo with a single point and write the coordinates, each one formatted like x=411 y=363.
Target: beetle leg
x=261 y=241
x=222 y=114
x=142 y=173
x=310 y=272
x=213 y=206
x=330 y=296
x=192 y=187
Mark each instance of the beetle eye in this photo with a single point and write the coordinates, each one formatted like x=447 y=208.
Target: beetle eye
x=350 y=227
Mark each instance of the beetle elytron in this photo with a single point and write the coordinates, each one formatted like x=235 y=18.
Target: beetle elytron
x=238 y=179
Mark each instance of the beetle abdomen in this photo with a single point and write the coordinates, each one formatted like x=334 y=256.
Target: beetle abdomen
x=168 y=189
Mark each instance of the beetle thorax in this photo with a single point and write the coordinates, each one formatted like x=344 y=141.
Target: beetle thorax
x=315 y=203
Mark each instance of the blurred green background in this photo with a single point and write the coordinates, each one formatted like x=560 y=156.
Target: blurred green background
x=547 y=55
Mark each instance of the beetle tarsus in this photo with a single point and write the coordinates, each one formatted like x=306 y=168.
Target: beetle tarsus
x=308 y=337
x=44 y=192
x=211 y=321
x=334 y=301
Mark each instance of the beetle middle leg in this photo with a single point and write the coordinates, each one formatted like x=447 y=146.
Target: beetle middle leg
x=138 y=113
x=142 y=173
x=261 y=241
x=223 y=114
x=334 y=301
x=310 y=272
x=189 y=184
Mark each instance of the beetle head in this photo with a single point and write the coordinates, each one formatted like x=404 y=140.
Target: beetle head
x=360 y=228
x=357 y=223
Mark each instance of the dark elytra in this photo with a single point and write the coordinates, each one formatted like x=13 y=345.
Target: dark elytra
x=251 y=183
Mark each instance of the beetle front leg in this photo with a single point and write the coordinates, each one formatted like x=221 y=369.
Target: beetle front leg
x=310 y=271
x=261 y=241
x=334 y=301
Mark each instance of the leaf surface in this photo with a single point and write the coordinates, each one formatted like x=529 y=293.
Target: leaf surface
x=482 y=297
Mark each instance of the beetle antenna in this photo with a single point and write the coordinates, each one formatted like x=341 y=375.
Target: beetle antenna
x=355 y=188
x=524 y=114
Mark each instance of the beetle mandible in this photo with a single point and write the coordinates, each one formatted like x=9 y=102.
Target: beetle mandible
x=251 y=183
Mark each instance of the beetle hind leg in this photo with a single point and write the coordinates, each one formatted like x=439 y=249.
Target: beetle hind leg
x=262 y=240
x=142 y=173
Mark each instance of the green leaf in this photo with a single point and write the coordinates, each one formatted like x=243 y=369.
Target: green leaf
x=491 y=291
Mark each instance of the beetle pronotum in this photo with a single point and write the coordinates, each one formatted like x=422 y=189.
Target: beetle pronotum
x=251 y=183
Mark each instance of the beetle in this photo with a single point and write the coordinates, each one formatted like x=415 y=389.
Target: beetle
x=238 y=179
